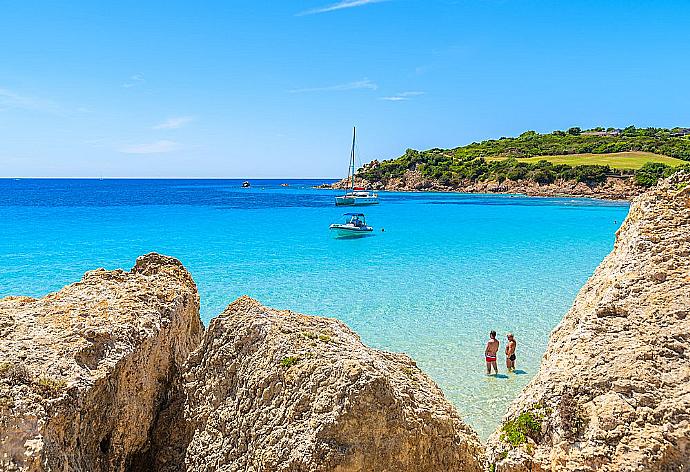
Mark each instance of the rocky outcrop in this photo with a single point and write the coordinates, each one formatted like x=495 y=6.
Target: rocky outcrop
x=272 y=390
x=614 y=188
x=613 y=390
x=84 y=371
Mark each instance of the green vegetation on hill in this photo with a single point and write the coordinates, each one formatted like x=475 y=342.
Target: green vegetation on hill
x=478 y=161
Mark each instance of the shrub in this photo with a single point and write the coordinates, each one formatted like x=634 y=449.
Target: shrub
x=590 y=173
x=649 y=174
x=517 y=173
x=515 y=432
x=289 y=361
x=51 y=387
x=542 y=176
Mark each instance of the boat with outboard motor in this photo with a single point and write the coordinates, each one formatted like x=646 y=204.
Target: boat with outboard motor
x=355 y=225
x=355 y=196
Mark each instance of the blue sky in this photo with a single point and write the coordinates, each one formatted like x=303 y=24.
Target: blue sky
x=272 y=88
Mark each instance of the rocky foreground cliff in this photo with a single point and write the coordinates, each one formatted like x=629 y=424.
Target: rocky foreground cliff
x=272 y=390
x=613 y=390
x=85 y=370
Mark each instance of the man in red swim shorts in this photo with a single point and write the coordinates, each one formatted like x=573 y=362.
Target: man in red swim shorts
x=490 y=353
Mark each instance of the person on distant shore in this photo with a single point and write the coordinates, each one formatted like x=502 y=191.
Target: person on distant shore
x=510 y=352
x=490 y=353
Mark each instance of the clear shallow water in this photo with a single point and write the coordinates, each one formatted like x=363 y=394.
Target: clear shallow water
x=447 y=269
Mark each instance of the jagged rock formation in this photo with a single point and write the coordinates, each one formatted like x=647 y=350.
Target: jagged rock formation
x=84 y=371
x=613 y=391
x=272 y=390
x=614 y=188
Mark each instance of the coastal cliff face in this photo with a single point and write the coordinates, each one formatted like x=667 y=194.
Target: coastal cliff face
x=85 y=370
x=613 y=390
x=272 y=390
x=412 y=180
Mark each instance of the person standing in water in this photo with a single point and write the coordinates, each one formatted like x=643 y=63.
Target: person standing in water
x=510 y=352
x=490 y=353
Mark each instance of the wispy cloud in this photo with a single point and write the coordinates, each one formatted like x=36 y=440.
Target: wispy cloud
x=398 y=97
x=136 y=79
x=343 y=4
x=175 y=122
x=157 y=147
x=356 y=85
x=11 y=99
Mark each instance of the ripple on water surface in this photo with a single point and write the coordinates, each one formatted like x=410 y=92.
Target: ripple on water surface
x=447 y=269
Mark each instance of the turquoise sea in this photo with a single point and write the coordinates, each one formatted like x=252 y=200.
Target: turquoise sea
x=447 y=269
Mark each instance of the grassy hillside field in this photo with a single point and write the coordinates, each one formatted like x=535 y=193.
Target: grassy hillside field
x=615 y=160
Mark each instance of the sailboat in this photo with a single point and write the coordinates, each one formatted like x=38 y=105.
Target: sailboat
x=355 y=196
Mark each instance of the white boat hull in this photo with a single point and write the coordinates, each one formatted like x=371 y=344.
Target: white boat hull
x=347 y=200
x=350 y=231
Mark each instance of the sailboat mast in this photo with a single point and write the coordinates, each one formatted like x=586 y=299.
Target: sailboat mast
x=352 y=156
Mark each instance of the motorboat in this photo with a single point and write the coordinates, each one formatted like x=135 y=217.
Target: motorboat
x=246 y=184
x=355 y=225
x=355 y=196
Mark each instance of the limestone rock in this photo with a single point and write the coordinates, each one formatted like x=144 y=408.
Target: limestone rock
x=613 y=390
x=85 y=370
x=272 y=390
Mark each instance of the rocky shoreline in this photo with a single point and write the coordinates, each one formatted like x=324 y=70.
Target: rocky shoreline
x=116 y=372
x=614 y=188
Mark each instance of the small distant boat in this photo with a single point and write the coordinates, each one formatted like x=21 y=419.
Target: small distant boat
x=355 y=225
x=355 y=196
x=284 y=185
x=246 y=184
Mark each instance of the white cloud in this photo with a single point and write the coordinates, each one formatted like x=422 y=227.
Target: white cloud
x=157 y=147
x=136 y=79
x=175 y=122
x=356 y=85
x=10 y=99
x=402 y=96
x=343 y=4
